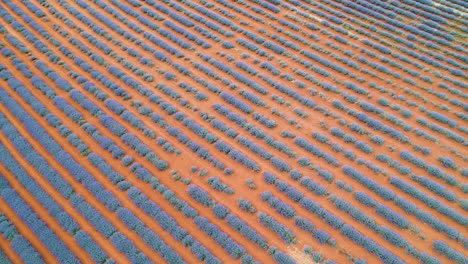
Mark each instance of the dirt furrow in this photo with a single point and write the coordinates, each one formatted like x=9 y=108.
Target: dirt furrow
x=24 y=230
x=6 y=248
x=89 y=197
x=62 y=201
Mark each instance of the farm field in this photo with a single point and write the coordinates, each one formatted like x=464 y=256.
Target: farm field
x=244 y=131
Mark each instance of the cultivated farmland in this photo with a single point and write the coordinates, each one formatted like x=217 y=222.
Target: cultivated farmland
x=244 y=131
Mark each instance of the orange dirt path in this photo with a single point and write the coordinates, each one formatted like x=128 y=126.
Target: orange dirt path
x=6 y=248
x=23 y=229
x=62 y=201
x=92 y=200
